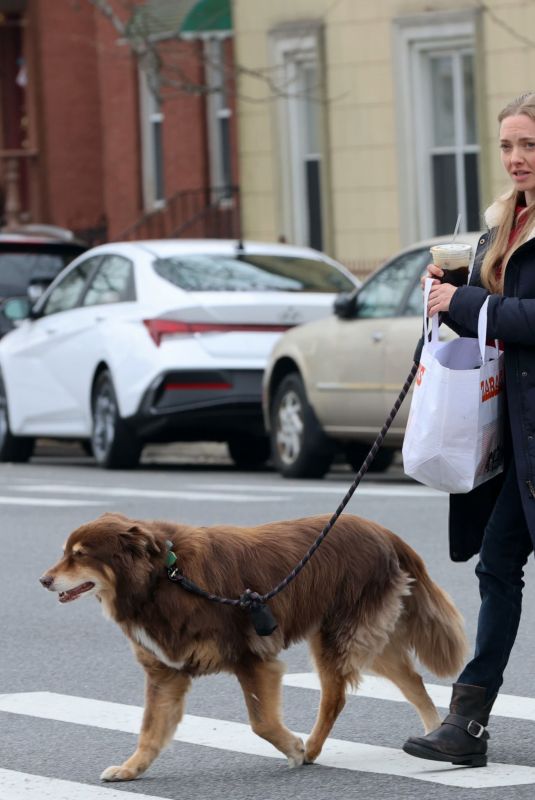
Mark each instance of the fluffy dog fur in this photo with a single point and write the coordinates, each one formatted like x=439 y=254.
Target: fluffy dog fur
x=364 y=602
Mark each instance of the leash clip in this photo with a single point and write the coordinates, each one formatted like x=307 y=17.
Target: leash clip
x=263 y=620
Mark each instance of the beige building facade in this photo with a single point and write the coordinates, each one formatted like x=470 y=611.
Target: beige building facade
x=365 y=125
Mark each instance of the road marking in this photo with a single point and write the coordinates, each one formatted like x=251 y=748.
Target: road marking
x=23 y=786
x=370 y=489
x=123 y=491
x=506 y=705
x=53 y=502
x=222 y=492
x=237 y=737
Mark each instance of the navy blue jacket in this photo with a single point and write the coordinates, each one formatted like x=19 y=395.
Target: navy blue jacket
x=511 y=318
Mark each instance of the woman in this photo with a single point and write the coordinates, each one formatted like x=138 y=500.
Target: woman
x=498 y=518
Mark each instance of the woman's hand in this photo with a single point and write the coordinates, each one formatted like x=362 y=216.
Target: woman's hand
x=440 y=294
x=440 y=298
x=432 y=272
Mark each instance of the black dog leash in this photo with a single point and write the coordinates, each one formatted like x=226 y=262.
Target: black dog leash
x=263 y=620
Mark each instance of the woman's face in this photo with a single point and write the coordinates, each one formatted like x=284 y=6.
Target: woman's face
x=517 y=145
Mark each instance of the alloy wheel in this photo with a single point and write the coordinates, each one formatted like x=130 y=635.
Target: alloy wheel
x=289 y=434
x=104 y=421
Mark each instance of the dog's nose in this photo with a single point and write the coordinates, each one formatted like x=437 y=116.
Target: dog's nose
x=46 y=581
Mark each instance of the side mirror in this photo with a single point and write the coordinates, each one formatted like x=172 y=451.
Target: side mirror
x=345 y=305
x=16 y=309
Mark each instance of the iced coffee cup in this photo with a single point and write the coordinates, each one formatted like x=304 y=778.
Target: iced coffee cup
x=454 y=259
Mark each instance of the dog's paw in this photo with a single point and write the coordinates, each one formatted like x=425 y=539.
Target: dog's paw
x=118 y=774
x=312 y=751
x=297 y=757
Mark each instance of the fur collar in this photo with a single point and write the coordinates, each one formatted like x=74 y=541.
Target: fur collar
x=494 y=213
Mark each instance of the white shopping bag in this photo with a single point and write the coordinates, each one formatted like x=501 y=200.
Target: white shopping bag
x=453 y=440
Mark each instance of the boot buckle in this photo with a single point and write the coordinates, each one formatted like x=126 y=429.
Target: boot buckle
x=475 y=729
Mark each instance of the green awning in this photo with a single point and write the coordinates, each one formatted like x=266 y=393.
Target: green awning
x=208 y=17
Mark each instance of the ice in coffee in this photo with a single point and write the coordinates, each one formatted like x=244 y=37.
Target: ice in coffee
x=454 y=259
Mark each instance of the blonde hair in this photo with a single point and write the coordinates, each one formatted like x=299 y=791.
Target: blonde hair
x=499 y=252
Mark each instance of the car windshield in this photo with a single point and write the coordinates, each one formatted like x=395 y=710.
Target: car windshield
x=19 y=267
x=251 y=273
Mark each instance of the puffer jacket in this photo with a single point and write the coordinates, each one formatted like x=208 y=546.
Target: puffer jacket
x=511 y=318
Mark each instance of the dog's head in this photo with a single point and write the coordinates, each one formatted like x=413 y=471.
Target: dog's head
x=103 y=554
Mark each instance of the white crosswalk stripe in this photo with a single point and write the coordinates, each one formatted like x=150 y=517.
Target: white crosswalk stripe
x=23 y=786
x=506 y=705
x=214 y=492
x=237 y=737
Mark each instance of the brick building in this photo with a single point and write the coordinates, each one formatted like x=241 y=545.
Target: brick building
x=85 y=143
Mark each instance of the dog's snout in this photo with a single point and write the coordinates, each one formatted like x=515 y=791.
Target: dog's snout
x=46 y=581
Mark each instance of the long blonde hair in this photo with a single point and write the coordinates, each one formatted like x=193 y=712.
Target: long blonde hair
x=499 y=252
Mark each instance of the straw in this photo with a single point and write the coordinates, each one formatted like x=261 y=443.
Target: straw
x=456 y=231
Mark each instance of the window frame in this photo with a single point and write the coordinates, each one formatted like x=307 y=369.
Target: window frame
x=292 y=46
x=413 y=35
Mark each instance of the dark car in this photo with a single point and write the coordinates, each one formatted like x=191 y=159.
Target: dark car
x=30 y=258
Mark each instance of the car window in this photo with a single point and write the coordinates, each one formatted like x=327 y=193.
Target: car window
x=21 y=263
x=112 y=283
x=69 y=290
x=251 y=272
x=383 y=294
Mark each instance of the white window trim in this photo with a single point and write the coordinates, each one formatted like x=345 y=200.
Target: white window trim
x=293 y=221
x=216 y=109
x=148 y=115
x=412 y=34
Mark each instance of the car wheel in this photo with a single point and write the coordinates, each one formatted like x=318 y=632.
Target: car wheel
x=114 y=444
x=299 y=446
x=248 y=451
x=355 y=454
x=17 y=449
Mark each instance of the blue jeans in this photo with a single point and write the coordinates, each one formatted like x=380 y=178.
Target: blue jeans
x=503 y=555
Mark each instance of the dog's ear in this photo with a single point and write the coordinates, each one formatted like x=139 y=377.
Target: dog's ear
x=139 y=541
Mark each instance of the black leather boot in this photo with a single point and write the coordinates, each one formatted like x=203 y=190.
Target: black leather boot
x=462 y=737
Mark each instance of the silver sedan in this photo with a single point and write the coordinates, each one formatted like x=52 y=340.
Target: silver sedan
x=329 y=385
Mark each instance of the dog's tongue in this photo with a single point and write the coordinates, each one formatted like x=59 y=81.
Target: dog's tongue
x=72 y=594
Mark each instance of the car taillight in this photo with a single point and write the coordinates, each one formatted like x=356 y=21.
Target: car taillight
x=158 y=328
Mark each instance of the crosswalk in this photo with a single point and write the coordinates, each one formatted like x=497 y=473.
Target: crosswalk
x=225 y=735
x=57 y=495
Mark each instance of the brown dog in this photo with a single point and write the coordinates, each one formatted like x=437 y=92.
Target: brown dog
x=364 y=602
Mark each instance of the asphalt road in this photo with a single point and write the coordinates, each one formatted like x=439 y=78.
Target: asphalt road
x=62 y=666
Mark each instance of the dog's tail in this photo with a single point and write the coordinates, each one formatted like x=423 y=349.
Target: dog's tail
x=435 y=626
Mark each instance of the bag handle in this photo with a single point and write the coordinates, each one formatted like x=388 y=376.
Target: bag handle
x=433 y=327
x=482 y=332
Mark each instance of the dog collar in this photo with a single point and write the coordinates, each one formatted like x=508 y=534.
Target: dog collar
x=170 y=556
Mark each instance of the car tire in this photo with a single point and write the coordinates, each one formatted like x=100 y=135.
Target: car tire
x=248 y=451
x=355 y=454
x=15 y=449
x=299 y=447
x=114 y=444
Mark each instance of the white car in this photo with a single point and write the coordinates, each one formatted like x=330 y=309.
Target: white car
x=157 y=341
x=329 y=386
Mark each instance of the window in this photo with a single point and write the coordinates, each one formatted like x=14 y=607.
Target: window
x=218 y=118
x=300 y=76
x=251 y=272
x=385 y=293
x=67 y=292
x=438 y=143
x=152 y=145
x=113 y=282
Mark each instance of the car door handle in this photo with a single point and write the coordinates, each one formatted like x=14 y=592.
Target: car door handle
x=377 y=336
x=50 y=331
x=100 y=319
